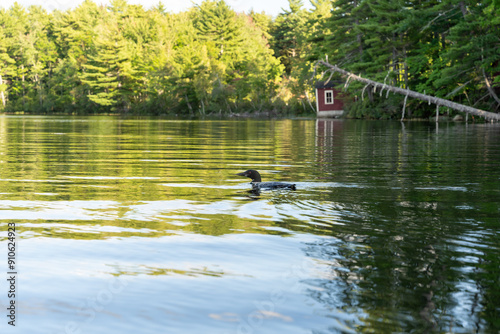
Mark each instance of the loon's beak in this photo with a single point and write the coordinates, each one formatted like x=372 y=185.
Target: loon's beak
x=241 y=174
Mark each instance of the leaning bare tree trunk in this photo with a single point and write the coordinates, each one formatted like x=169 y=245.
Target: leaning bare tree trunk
x=431 y=99
x=490 y=89
x=309 y=100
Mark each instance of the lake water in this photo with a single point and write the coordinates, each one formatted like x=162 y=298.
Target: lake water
x=142 y=226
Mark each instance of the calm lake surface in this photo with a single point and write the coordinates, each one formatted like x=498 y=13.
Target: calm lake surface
x=142 y=226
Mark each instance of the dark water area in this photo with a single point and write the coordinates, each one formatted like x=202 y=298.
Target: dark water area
x=142 y=226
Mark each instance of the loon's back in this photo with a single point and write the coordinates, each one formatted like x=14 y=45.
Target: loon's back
x=273 y=185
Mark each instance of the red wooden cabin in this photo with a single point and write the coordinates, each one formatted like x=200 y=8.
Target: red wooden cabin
x=328 y=100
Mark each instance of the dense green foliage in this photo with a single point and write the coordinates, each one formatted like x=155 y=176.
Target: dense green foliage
x=208 y=59
x=448 y=49
x=125 y=58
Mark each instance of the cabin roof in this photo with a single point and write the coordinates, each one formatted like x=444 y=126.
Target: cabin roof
x=329 y=84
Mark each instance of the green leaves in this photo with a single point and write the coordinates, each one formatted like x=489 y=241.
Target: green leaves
x=124 y=58
x=441 y=47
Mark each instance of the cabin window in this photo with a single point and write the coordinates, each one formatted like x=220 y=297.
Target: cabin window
x=328 y=96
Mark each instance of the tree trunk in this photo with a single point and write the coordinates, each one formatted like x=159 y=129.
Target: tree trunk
x=358 y=36
x=189 y=105
x=24 y=93
x=38 y=84
x=490 y=89
x=463 y=9
x=309 y=100
x=2 y=93
x=431 y=99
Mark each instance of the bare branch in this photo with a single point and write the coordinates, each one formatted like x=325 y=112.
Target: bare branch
x=490 y=89
x=331 y=74
x=404 y=107
x=453 y=92
x=440 y=15
x=363 y=92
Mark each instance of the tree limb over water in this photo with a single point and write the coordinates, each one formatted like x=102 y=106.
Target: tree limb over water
x=430 y=99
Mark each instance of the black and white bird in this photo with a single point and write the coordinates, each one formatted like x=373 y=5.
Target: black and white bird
x=257 y=183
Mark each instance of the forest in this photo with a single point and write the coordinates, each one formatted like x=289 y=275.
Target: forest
x=210 y=59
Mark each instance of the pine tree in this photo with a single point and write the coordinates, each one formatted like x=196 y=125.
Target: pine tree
x=108 y=68
x=263 y=22
x=40 y=55
x=312 y=42
x=385 y=39
x=341 y=40
x=160 y=8
x=475 y=60
x=118 y=8
x=218 y=26
x=288 y=29
x=73 y=31
x=7 y=68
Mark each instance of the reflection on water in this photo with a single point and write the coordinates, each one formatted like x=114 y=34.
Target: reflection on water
x=140 y=225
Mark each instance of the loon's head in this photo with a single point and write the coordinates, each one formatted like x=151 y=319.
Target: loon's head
x=251 y=173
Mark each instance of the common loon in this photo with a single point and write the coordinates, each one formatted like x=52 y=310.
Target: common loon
x=257 y=183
